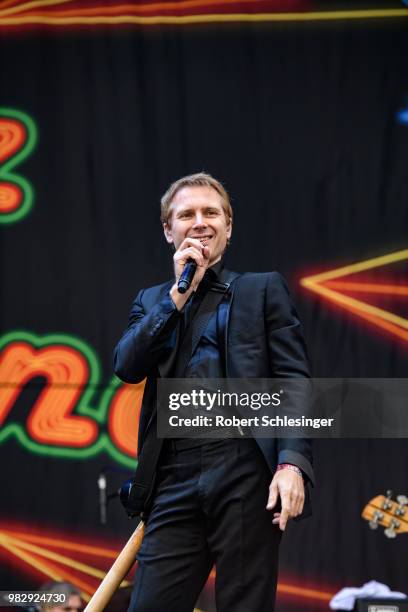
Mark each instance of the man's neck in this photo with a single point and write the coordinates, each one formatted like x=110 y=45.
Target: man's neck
x=217 y=266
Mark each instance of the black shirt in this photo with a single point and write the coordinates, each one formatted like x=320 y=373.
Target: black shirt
x=205 y=362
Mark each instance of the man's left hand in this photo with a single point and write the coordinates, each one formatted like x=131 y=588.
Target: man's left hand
x=290 y=488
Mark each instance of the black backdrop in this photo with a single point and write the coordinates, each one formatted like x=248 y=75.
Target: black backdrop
x=300 y=123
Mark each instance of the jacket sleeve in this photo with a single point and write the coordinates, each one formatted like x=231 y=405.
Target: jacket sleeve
x=288 y=358
x=145 y=339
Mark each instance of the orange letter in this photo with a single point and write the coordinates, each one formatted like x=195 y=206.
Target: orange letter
x=124 y=417
x=12 y=138
x=51 y=420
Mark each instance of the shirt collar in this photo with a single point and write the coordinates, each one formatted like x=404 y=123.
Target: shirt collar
x=211 y=276
x=215 y=270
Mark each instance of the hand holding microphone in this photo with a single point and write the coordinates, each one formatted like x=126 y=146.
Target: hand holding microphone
x=187 y=275
x=190 y=263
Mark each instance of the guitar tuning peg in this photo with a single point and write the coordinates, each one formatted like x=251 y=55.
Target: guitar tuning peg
x=387 y=501
x=402 y=502
x=390 y=532
x=377 y=516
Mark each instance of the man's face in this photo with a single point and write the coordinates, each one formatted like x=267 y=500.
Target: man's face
x=197 y=212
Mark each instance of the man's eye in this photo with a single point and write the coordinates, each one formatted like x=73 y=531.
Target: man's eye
x=212 y=213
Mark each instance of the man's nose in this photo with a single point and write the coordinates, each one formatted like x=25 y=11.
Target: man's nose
x=199 y=220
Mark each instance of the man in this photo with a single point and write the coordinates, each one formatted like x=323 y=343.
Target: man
x=62 y=590
x=211 y=501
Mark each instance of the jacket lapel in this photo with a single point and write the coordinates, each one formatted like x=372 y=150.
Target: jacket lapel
x=227 y=277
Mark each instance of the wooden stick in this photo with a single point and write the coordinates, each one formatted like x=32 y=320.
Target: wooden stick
x=117 y=572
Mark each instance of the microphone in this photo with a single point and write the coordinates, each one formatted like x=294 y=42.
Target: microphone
x=187 y=276
x=102 y=498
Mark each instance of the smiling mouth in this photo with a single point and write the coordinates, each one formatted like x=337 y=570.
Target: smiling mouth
x=203 y=239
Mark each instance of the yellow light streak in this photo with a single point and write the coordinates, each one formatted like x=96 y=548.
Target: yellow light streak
x=150 y=7
x=20 y=8
x=125 y=9
x=357 y=305
x=92 y=550
x=7 y=3
x=304 y=592
x=46 y=568
x=361 y=266
x=381 y=317
x=48 y=554
x=390 y=327
x=19 y=549
x=34 y=562
x=201 y=19
x=368 y=287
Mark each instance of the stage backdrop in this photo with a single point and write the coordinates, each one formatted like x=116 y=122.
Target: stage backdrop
x=304 y=117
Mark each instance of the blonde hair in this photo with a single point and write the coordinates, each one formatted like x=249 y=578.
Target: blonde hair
x=200 y=179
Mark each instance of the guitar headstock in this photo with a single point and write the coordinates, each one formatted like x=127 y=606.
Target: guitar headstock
x=393 y=515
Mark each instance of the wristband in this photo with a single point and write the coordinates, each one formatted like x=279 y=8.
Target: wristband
x=290 y=466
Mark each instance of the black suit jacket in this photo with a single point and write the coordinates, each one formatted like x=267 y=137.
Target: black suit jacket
x=263 y=339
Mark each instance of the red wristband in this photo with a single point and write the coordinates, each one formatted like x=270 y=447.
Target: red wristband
x=290 y=466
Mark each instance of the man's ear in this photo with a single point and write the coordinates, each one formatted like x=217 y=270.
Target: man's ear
x=168 y=233
x=229 y=228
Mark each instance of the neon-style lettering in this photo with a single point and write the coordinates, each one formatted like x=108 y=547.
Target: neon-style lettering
x=124 y=417
x=62 y=421
x=51 y=420
x=18 y=136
